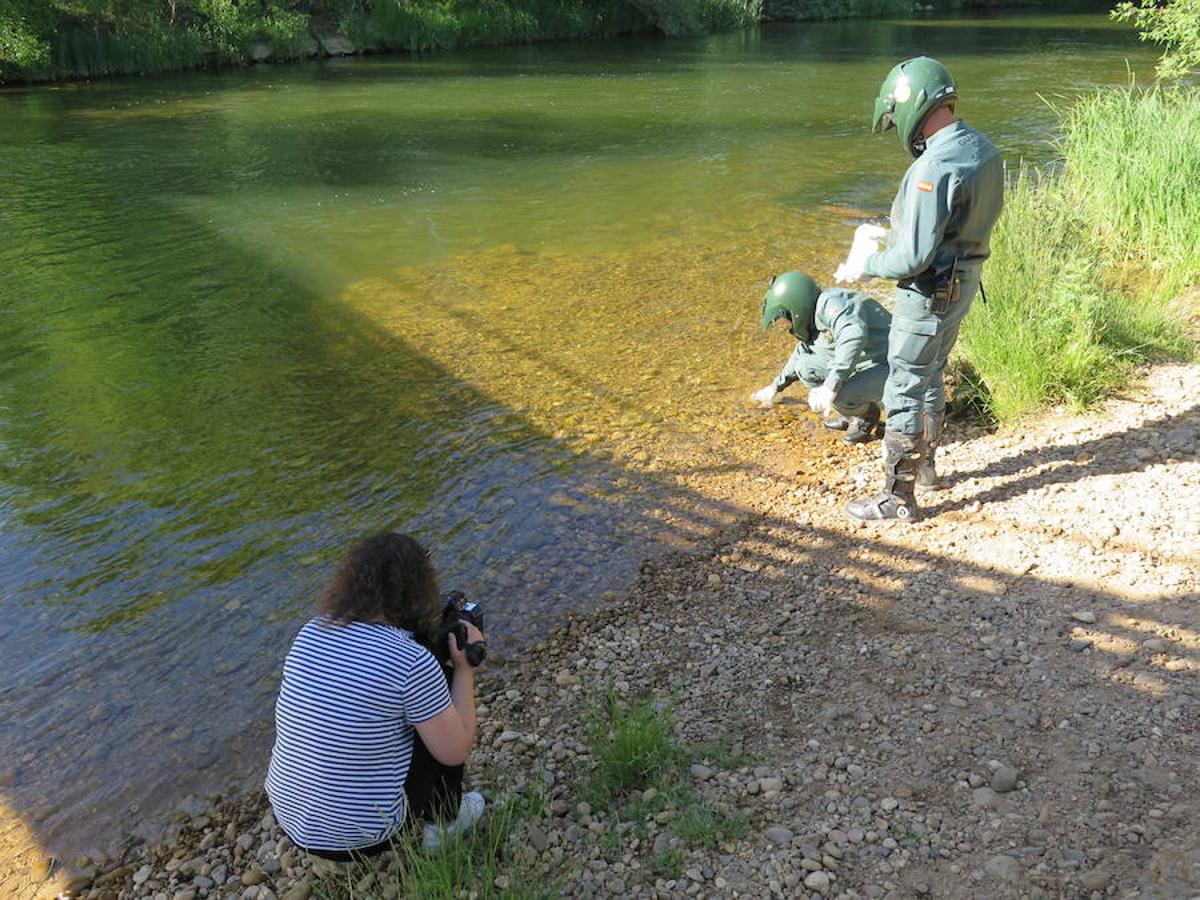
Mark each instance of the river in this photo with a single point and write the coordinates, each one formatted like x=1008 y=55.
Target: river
x=505 y=299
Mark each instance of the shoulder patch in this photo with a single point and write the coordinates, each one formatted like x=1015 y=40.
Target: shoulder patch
x=925 y=186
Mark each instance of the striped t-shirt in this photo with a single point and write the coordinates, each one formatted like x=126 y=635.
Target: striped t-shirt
x=350 y=697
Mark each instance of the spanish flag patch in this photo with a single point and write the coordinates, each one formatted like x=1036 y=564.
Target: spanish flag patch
x=925 y=186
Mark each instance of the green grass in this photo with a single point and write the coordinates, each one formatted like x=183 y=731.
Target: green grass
x=1087 y=261
x=484 y=863
x=634 y=746
x=643 y=775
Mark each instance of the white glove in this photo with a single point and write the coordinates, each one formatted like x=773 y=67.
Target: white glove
x=866 y=242
x=820 y=399
x=766 y=397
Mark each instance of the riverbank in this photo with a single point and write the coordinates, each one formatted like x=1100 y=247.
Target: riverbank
x=1002 y=699
x=48 y=41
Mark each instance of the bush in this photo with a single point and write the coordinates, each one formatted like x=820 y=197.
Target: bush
x=1175 y=25
x=1086 y=262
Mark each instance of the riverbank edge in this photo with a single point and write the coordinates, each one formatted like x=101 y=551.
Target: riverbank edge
x=546 y=669
x=323 y=43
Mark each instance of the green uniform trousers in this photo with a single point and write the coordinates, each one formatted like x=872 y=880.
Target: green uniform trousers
x=918 y=346
x=858 y=392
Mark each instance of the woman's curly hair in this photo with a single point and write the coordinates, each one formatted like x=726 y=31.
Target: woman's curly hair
x=385 y=578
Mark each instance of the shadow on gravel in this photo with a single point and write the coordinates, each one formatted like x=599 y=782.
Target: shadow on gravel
x=1113 y=454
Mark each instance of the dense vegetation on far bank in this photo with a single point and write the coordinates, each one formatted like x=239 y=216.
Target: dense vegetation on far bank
x=49 y=39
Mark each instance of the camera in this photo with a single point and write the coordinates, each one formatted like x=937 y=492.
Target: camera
x=456 y=609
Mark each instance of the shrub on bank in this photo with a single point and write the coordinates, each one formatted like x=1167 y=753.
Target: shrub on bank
x=1088 y=260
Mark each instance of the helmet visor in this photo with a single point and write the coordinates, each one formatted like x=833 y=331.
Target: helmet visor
x=885 y=108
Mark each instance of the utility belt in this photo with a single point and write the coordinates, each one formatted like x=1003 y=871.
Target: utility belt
x=941 y=290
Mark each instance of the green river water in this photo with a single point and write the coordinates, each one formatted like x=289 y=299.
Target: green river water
x=506 y=300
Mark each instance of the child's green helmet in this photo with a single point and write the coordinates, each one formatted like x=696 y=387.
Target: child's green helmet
x=911 y=91
x=792 y=295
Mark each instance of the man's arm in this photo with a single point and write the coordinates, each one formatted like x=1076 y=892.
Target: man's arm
x=926 y=205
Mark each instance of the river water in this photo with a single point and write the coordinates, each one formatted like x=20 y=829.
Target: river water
x=506 y=300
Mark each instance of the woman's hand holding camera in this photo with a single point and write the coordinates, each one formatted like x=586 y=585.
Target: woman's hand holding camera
x=458 y=655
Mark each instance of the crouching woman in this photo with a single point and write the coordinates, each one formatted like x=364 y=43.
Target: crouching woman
x=368 y=733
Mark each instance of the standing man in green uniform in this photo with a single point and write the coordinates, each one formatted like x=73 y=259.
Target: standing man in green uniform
x=942 y=220
x=840 y=355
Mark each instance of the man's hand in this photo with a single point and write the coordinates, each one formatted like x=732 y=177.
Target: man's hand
x=866 y=242
x=458 y=655
x=820 y=399
x=766 y=397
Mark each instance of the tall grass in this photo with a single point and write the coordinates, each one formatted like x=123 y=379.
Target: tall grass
x=1087 y=260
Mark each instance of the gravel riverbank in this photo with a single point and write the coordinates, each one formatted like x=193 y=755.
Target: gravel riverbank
x=1000 y=700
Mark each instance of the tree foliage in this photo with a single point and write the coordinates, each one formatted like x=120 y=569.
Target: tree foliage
x=1174 y=24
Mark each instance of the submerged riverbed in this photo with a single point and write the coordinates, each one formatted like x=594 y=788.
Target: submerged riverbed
x=506 y=300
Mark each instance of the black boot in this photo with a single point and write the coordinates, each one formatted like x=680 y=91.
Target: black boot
x=866 y=427
x=901 y=455
x=837 y=423
x=927 y=477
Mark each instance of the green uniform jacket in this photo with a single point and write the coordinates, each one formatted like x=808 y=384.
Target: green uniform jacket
x=950 y=198
x=852 y=337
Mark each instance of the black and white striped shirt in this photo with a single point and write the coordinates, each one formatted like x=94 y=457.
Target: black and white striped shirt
x=350 y=697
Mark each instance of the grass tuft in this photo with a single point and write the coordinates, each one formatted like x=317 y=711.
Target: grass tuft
x=643 y=780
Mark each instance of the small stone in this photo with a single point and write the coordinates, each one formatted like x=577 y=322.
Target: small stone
x=300 y=891
x=1155 y=645
x=817 y=881
x=1003 y=867
x=1080 y=645
x=1084 y=615
x=770 y=784
x=702 y=773
x=779 y=836
x=1095 y=880
x=887 y=804
x=537 y=838
x=985 y=798
x=1004 y=779
x=253 y=877
x=1072 y=857
x=714 y=578
x=142 y=875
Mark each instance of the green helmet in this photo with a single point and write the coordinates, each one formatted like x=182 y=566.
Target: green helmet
x=911 y=91
x=792 y=295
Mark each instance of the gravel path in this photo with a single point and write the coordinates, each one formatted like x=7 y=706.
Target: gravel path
x=1001 y=700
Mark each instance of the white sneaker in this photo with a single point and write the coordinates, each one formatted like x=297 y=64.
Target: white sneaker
x=470 y=811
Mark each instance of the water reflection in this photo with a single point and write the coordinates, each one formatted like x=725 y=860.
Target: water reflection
x=506 y=300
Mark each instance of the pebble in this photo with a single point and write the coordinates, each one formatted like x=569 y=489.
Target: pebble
x=1084 y=615
x=701 y=772
x=1095 y=880
x=537 y=838
x=985 y=798
x=817 y=881
x=1004 y=867
x=299 y=891
x=779 y=835
x=1004 y=779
